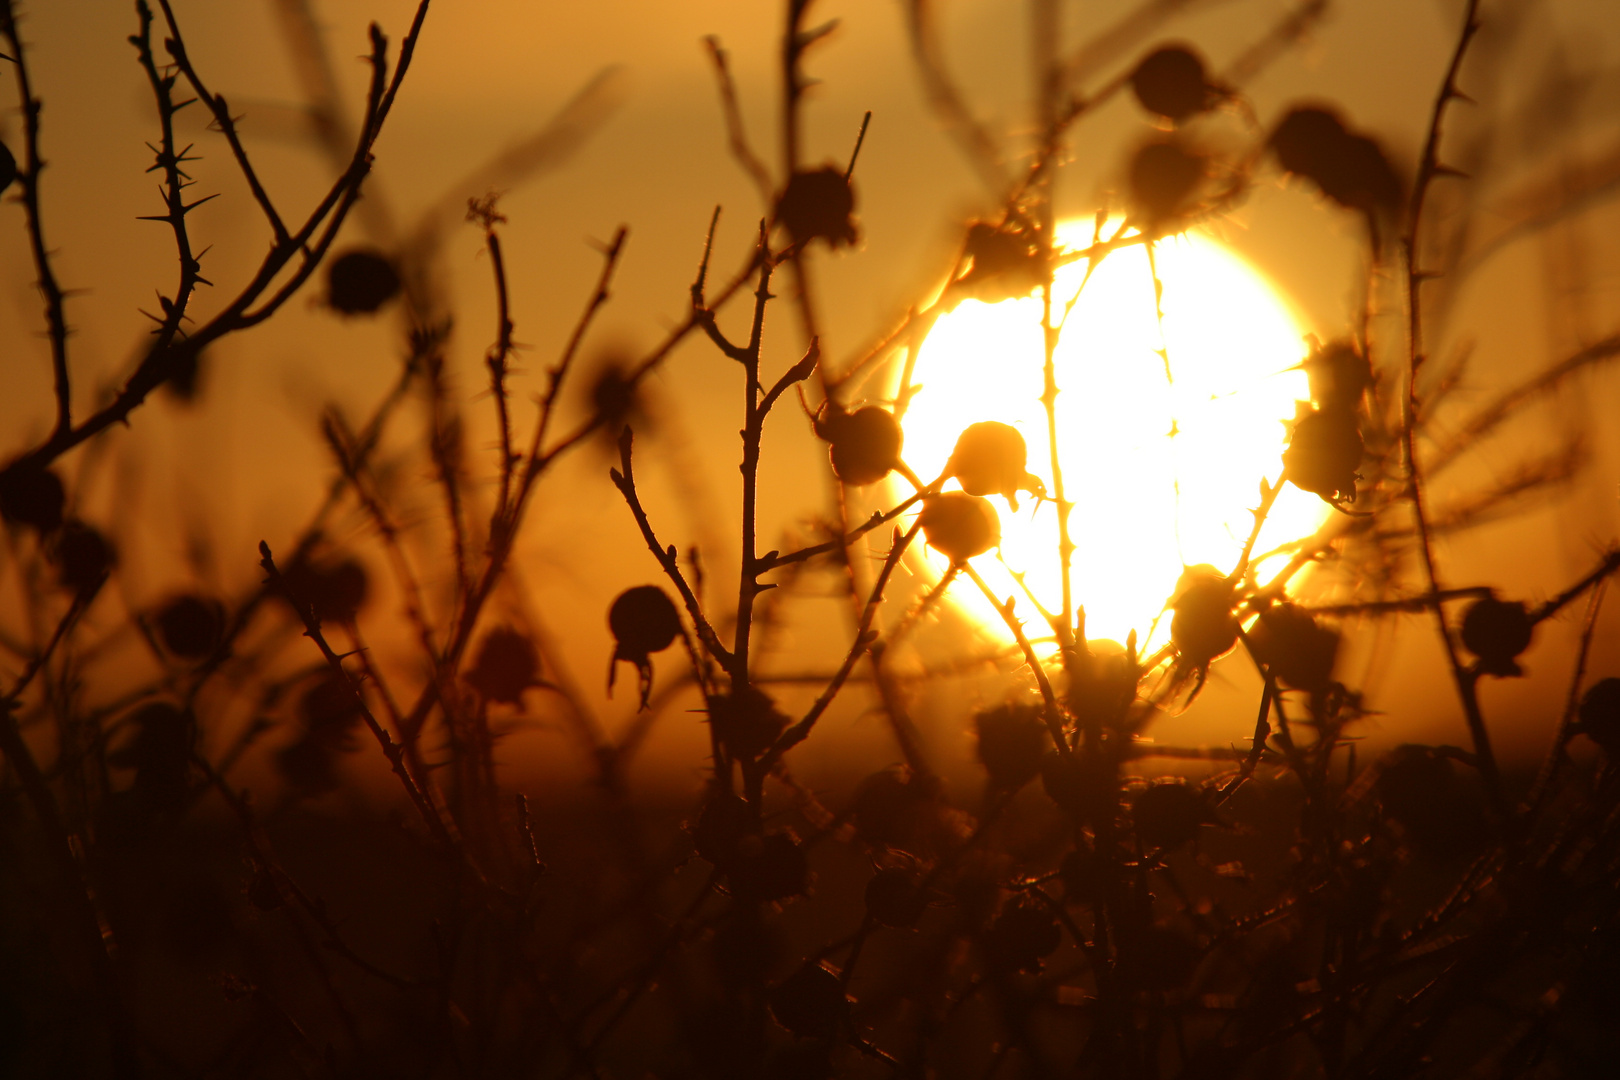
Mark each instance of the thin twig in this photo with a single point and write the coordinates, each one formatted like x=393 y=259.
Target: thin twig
x=865 y=636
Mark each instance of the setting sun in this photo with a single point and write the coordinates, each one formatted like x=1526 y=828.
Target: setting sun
x=1163 y=465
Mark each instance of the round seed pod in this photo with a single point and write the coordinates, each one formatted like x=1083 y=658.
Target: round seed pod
x=1168 y=815
x=643 y=620
x=865 y=444
x=768 y=868
x=360 y=281
x=191 y=626
x=1298 y=651
x=1600 y=715
x=1163 y=176
x=720 y=828
x=1323 y=455
x=1309 y=140
x=330 y=711
x=1012 y=741
x=810 y=1003
x=1022 y=934
x=989 y=459
x=1203 y=627
x=507 y=665
x=895 y=809
x=83 y=557
x=1497 y=631
x=819 y=204
x=1338 y=375
x=8 y=167
x=960 y=525
x=748 y=721
x=1006 y=263
x=894 y=898
x=31 y=495
x=1350 y=169
x=333 y=592
x=1171 y=82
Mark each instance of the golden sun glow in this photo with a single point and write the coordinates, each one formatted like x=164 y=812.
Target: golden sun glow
x=1146 y=503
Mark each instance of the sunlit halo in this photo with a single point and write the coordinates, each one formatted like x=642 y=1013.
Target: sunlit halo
x=1146 y=504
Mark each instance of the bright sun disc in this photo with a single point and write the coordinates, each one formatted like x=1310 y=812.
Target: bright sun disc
x=1146 y=503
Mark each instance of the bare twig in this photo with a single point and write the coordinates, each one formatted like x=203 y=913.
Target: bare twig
x=865 y=637
x=736 y=134
x=28 y=177
x=1428 y=169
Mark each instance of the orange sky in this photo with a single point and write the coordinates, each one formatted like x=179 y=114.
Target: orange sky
x=492 y=71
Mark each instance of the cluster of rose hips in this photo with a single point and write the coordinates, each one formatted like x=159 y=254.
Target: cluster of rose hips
x=32 y=497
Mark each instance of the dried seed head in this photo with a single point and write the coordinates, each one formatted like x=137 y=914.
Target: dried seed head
x=1168 y=815
x=359 y=282
x=1298 y=651
x=865 y=443
x=1171 y=82
x=989 y=459
x=31 y=495
x=895 y=898
x=810 y=1003
x=1203 y=627
x=83 y=556
x=1024 y=932
x=1600 y=715
x=1308 y=140
x=1497 y=631
x=819 y=204
x=720 y=828
x=191 y=626
x=643 y=620
x=1323 y=454
x=1163 y=176
x=507 y=665
x=747 y=721
x=959 y=525
x=1012 y=740
x=1338 y=375
x=1102 y=686
x=1006 y=263
x=333 y=592
x=1350 y=169
x=896 y=809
